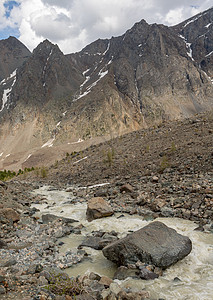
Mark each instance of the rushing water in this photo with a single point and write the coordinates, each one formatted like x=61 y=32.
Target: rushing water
x=195 y=271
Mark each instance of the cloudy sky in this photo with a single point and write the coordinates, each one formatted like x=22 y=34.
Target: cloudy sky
x=72 y=24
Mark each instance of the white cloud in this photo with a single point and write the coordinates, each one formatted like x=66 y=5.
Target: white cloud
x=10 y=21
x=72 y=24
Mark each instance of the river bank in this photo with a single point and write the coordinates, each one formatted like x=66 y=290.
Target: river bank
x=33 y=246
x=163 y=172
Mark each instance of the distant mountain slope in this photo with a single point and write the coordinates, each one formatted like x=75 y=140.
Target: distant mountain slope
x=150 y=74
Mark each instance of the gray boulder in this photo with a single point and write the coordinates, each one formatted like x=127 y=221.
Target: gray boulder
x=49 y=218
x=96 y=242
x=2 y=244
x=155 y=244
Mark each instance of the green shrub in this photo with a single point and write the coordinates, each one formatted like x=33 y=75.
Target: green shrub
x=6 y=175
x=43 y=172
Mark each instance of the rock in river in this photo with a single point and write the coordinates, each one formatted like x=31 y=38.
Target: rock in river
x=49 y=218
x=154 y=244
x=98 y=208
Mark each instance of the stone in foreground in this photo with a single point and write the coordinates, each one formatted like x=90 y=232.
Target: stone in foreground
x=154 y=244
x=10 y=214
x=98 y=208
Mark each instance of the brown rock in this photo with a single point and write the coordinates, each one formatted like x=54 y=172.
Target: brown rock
x=10 y=214
x=133 y=296
x=126 y=188
x=98 y=208
x=106 y=281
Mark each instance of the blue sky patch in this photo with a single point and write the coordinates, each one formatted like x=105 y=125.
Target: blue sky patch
x=195 y=6
x=8 y=31
x=9 y=6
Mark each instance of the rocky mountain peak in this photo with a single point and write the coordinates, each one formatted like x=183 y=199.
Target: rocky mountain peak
x=12 y=55
x=151 y=74
x=137 y=32
x=46 y=50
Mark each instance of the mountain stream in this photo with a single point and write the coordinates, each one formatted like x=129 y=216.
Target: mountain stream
x=194 y=273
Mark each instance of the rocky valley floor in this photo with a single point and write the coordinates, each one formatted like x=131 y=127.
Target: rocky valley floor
x=164 y=171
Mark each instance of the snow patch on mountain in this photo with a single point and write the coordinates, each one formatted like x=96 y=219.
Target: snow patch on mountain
x=111 y=60
x=79 y=141
x=45 y=66
x=211 y=79
x=107 y=49
x=49 y=143
x=195 y=19
x=101 y=74
x=28 y=157
x=13 y=74
x=209 y=54
x=207 y=26
x=80 y=160
x=85 y=81
x=188 y=46
x=7 y=91
x=85 y=72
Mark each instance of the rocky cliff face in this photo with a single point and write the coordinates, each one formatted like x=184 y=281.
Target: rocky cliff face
x=198 y=35
x=150 y=74
x=12 y=55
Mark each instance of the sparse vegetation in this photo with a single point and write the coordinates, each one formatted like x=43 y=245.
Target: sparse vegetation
x=6 y=175
x=109 y=156
x=37 y=171
x=61 y=284
x=43 y=172
x=164 y=163
x=173 y=147
x=147 y=148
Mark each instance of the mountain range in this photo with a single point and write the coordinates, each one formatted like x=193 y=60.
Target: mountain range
x=51 y=103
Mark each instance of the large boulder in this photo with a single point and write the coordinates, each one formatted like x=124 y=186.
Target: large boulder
x=155 y=244
x=98 y=208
